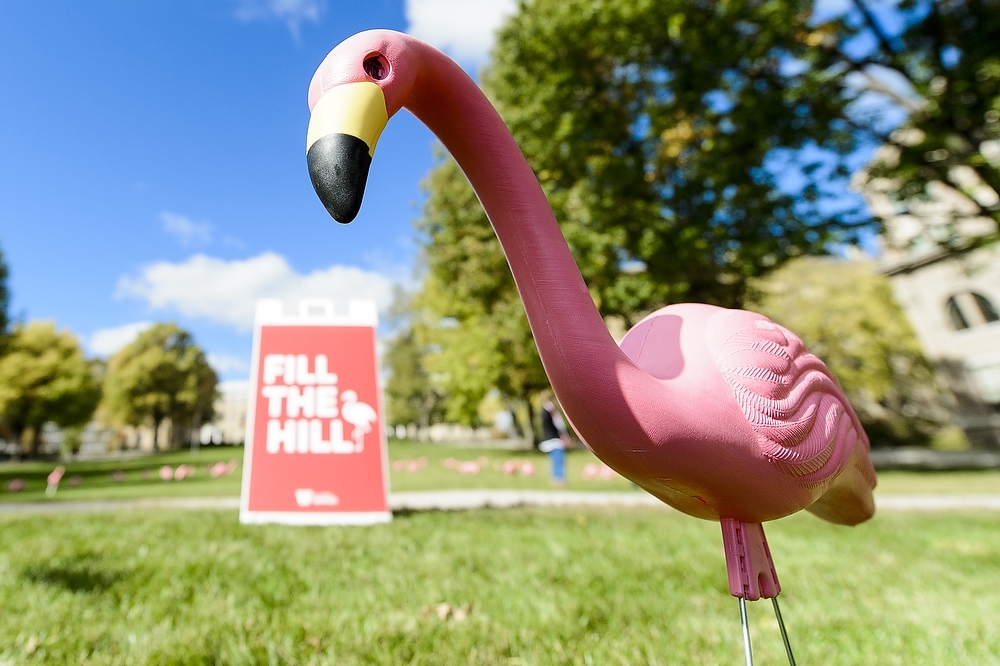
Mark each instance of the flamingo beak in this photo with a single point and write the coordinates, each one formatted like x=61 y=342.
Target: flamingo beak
x=343 y=129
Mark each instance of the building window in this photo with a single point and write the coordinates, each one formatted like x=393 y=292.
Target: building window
x=970 y=309
x=955 y=315
x=985 y=307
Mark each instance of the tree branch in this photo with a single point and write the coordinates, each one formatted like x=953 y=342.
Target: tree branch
x=873 y=25
x=884 y=138
x=892 y=55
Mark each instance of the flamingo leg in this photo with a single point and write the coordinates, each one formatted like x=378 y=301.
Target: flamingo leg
x=751 y=574
x=748 y=653
x=748 y=561
x=784 y=634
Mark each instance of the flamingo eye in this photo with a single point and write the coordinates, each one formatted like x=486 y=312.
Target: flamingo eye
x=376 y=66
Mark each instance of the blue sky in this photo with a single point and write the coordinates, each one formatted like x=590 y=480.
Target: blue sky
x=152 y=163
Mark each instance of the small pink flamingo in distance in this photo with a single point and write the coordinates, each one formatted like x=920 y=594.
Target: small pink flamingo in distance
x=53 y=479
x=358 y=414
x=719 y=413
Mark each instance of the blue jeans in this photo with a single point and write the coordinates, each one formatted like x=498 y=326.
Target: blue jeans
x=558 y=458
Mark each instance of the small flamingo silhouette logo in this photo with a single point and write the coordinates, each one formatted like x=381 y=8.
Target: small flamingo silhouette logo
x=358 y=414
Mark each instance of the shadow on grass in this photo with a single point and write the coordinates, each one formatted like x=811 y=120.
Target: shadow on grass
x=82 y=575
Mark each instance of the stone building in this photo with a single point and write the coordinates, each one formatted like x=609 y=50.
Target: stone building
x=953 y=303
x=952 y=299
x=229 y=425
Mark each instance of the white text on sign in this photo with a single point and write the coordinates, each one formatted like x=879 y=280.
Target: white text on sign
x=305 y=393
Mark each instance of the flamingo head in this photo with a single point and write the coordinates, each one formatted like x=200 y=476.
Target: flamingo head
x=357 y=88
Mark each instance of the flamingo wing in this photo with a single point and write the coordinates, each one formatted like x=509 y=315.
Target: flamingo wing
x=802 y=419
x=366 y=415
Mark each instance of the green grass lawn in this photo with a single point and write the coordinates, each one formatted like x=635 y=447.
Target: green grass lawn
x=140 y=475
x=973 y=482
x=140 y=478
x=521 y=586
x=436 y=474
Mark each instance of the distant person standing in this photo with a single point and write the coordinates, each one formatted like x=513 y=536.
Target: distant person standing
x=555 y=438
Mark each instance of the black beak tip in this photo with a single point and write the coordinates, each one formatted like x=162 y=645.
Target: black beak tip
x=338 y=167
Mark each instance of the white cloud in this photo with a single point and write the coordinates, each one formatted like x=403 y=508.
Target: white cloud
x=107 y=341
x=225 y=363
x=464 y=29
x=227 y=291
x=185 y=230
x=293 y=12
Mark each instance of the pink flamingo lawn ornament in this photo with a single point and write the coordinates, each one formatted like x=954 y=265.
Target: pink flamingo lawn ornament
x=719 y=413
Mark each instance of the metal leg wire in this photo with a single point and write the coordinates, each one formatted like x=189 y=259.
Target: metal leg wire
x=746 y=631
x=784 y=634
x=748 y=653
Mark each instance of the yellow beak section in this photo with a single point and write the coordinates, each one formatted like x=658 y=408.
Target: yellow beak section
x=354 y=109
x=345 y=125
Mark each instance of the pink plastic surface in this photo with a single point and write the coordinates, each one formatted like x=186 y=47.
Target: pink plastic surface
x=748 y=561
x=719 y=413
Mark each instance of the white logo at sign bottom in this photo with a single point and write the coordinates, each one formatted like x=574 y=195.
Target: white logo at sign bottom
x=310 y=497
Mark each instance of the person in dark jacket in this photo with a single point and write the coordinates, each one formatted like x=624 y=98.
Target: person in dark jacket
x=555 y=439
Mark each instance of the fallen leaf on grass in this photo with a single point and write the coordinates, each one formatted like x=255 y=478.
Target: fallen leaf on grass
x=446 y=611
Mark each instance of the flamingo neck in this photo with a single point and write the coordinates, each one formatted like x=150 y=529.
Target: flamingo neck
x=581 y=359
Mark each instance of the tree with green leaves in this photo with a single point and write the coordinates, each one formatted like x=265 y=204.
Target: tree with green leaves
x=845 y=313
x=469 y=316
x=656 y=149
x=664 y=155
x=161 y=375
x=411 y=398
x=690 y=147
x=44 y=378
x=942 y=69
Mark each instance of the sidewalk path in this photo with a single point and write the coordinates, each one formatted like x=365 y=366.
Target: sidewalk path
x=458 y=500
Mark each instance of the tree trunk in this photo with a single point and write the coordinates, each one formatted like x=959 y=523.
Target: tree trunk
x=526 y=431
x=423 y=432
x=17 y=434
x=157 y=420
x=531 y=423
x=518 y=427
x=194 y=434
x=36 y=440
x=28 y=440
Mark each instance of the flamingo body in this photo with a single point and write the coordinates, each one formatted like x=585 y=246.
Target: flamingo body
x=793 y=440
x=720 y=413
